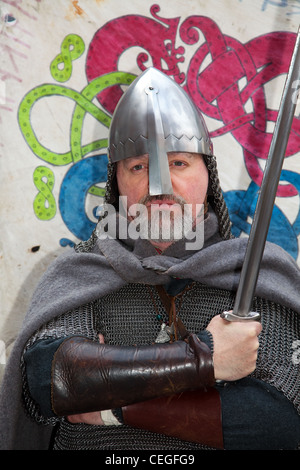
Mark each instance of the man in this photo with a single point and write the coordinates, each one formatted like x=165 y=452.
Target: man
x=124 y=346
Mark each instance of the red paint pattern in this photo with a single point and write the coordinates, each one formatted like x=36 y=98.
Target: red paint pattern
x=235 y=73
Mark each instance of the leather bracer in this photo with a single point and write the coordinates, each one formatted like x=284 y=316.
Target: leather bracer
x=88 y=376
x=193 y=416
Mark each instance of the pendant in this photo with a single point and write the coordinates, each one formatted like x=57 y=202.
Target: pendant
x=170 y=330
x=163 y=336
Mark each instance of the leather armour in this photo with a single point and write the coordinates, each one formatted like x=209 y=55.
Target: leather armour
x=193 y=416
x=88 y=376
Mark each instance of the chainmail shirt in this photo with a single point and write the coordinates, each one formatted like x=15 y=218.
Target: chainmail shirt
x=129 y=316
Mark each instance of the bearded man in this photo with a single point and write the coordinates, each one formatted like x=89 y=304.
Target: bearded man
x=124 y=345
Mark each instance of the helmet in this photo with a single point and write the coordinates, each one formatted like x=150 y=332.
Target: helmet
x=156 y=116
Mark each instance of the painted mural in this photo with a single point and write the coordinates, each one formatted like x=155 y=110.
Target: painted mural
x=215 y=91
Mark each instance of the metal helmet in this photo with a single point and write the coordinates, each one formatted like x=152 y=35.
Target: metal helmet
x=156 y=116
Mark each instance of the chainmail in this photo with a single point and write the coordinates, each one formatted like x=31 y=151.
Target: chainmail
x=129 y=316
x=216 y=198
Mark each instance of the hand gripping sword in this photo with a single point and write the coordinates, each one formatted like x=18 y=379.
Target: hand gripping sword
x=265 y=203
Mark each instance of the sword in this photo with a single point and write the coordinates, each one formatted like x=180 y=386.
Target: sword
x=267 y=195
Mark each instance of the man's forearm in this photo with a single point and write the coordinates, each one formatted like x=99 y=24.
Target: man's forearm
x=87 y=376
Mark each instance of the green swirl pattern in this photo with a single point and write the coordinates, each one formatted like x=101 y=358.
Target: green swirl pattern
x=83 y=105
x=72 y=48
x=44 y=204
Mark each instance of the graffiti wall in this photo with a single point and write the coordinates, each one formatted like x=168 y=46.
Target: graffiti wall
x=63 y=67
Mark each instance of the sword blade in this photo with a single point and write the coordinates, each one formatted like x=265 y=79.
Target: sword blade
x=266 y=199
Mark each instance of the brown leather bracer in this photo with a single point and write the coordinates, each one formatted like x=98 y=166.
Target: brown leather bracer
x=88 y=376
x=193 y=416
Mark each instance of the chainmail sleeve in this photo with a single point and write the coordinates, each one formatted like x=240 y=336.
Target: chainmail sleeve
x=76 y=322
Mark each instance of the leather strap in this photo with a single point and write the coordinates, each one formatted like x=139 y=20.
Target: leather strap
x=169 y=304
x=193 y=416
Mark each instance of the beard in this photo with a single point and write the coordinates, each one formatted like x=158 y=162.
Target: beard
x=158 y=223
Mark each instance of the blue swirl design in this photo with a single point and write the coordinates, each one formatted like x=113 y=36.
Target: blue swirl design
x=241 y=205
x=73 y=192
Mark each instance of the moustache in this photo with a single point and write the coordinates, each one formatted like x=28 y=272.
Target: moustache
x=148 y=199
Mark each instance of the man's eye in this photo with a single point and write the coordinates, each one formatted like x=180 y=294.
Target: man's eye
x=178 y=163
x=137 y=167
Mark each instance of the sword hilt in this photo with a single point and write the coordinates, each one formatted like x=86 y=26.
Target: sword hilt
x=231 y=316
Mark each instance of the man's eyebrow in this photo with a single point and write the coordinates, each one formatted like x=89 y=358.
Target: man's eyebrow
x=131 y=160
x=181 y=154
